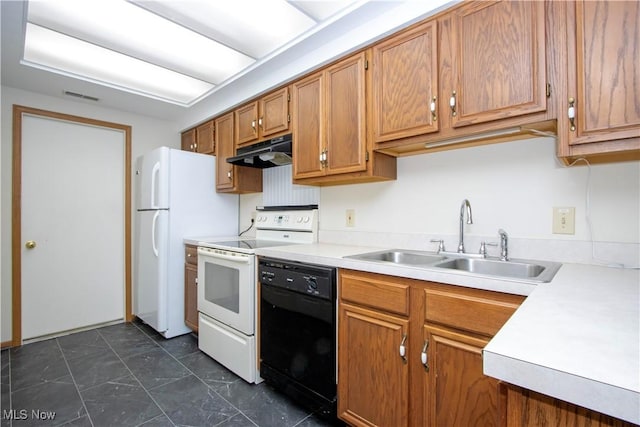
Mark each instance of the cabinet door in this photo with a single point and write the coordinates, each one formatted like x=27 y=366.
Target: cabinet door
x=246 y=119
x=191 y=296
x=373 y=380
x=405 y=83
x=274 y=113
x=225 y=145
x=307 y=109
x=499 y=68
x=205 y=142
x=345 y=114
x=604 y=72
x=456 y=391
x=188 y=140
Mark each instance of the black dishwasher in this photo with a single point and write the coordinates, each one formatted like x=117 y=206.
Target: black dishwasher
x=298 y=332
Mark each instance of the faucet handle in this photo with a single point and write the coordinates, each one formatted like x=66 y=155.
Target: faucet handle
x=440 y=244
x=483 y=248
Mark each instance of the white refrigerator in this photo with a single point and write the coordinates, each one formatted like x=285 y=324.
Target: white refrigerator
x=176 y=198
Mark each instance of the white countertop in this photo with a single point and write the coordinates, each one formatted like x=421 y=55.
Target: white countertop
x=576 y=338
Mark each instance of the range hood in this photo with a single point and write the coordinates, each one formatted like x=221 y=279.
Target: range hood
x=265 y=154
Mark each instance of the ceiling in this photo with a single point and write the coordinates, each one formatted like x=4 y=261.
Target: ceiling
x=326 y=30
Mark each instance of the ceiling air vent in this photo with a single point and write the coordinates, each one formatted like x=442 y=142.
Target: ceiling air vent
x=80 y=95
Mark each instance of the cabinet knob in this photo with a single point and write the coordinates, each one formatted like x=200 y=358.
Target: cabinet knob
x=229 y=175
x=30 y=244
x=260 y=123
x=423 y=355
x=432 y=107
x=403 y=349
x=571 y=113
x=253 y=124
x=452 y=104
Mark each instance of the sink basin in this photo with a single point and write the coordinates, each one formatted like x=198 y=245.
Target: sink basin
x=397 y=256
x=540 y=271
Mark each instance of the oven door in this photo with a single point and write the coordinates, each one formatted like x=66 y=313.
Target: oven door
x=227 y=287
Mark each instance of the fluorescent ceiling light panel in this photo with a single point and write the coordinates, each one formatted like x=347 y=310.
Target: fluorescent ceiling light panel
x=321 y=10
x=255 y=27
x=133 y=31
x=67 y=55
x=176 y=51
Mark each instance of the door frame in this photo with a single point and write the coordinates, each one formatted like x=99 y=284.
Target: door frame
x=16 y=210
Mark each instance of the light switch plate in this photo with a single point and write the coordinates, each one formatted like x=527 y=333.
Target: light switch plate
x=564 y=220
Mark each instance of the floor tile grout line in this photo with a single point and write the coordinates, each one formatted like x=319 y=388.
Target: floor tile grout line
x=75 y=384
x=209 y=388
x=138 y=381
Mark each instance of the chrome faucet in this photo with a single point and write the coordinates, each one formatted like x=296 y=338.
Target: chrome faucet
x=465 y=204
x=504 y=240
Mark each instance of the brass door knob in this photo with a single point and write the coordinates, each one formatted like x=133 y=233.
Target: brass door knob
x=30 y=244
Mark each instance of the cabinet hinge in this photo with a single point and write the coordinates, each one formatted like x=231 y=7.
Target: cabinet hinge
x=288 y=97
x=366 y=64
x=548 y=90
x=288 y=118
x=366 y=156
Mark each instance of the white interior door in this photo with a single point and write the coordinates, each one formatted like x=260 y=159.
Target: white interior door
x=73 y=198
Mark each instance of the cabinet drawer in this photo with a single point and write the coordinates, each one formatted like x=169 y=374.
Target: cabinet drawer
x=371 y=291
x=473 y=310
x=191 y=255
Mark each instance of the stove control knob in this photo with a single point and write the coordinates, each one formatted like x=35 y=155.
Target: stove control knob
x=312 y=284
x=299 y=220
x=306 y=219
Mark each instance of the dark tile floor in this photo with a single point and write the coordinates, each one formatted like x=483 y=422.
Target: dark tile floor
x=128 y=375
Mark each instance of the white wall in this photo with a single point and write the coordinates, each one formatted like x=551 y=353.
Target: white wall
x=513 y=186
x=147 y=134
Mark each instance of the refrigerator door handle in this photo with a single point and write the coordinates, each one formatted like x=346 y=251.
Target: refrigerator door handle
x=155 y=174
x=153 y=233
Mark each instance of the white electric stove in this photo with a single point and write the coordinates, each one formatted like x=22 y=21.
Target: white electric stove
x=227 y=285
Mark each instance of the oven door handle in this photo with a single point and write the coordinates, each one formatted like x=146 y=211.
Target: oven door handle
x=241 y=259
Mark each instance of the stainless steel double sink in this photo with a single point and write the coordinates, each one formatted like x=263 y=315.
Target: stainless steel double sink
x=529 y=270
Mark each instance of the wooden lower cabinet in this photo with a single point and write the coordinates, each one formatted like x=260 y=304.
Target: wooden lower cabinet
x=457 y=392
x=191 y=287
x=374 y=379
x=530 y=409
x=410 y=352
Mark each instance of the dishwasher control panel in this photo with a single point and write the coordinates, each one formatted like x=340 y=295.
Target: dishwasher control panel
x=313 y=280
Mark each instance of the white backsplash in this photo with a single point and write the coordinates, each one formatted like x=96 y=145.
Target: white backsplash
x=278 y=189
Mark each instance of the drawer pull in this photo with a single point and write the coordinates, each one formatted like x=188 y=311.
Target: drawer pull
x=403 y=349
x=423 y=355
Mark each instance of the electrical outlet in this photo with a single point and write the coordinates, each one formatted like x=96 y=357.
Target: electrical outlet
x=564 y=220
x=351 y=218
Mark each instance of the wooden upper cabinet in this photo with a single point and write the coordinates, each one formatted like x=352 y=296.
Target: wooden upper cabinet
x=274 y=113
x=205 y=141
x=225 y=145
x=603 y=78
x=246 y=120
x=329 y=124
x=307 y=108
x=498 y=61
x=346 y=144
x=263 y=118
x=230 y=178
x=188 y=140
x=405 y=84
